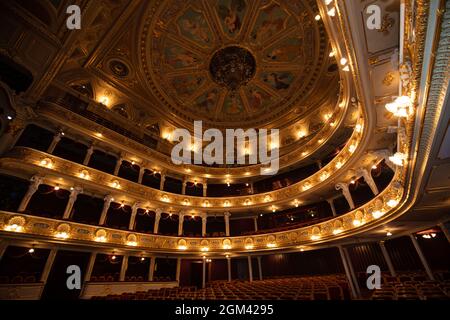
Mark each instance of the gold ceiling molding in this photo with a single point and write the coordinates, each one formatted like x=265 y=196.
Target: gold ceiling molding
x=369 y=216
x=290 y=49
x=158 y=198
x=159 y=161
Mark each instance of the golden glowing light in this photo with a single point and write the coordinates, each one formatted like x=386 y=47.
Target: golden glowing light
x=392 y=203
x=399 y=159
x=62 y=235
x=377 y=214
x=13 y=227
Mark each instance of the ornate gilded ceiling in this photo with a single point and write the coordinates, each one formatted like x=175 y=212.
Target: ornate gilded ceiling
x=236 y=62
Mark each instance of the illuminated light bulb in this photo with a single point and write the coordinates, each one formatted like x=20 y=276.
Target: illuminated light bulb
x=320 y=141
x=433 y=235
x=170 y=214
x=188 y=170
x=9 y=117
x=401 y=107
x=260 y=214
x=246 y=184
x=317 y=17
x=165 y=198
x=205 y=249
x=116 y=184
x=338 y=165
x=226 y=246
x=327 y=116
x=346 y=68
x=352 y=148
x=426 y=236
x=182 y=247
x=332 y=124
x=84 y=174
x=327 y=2
x=226 y=203
x=304 y=153
x=56 y=188
x=62 y=235
x=249 y=247
x=100 y=239
x=352 y=181
x=247 y=202
x=31 y=250
x=337 y=231
x=273 y=145
x=356 y=222
x=271 y=245
x=296 y=203
x=332 y=54
x=377 y=214
x=302 y=249
x=186 y=202
x=206 y=203
x=392 y=203
x=104 y=100
x=132 y=243
x=13 y=227
x=133 y=163
x=247 y=173
x=142 y=259
x=324 y=176
x=292 y=218
x=315 y=237
x=374 y=167
x=358 y=128
x=398 y=159
x=389 y=233
x=273 y=209
x=228 y=183
x=122 y=204
x=113 y=257
x=71 y=188
x=147 y=210
x=343 y=61
x=306 y=186
x=332 y=12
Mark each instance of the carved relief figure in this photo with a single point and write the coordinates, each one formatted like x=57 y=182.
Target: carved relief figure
x=271 y=20
x=178 y=57
x=279 y=81
x=194 y=26
x=231 y=12
x=207 y=101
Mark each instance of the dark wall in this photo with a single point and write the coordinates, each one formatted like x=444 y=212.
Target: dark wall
x=403 y=254
x=318 y=262
x=12 y=191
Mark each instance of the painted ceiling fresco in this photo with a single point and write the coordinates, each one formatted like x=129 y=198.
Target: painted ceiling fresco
x=236 y=60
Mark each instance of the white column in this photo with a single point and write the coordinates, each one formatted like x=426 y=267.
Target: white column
x=422 y=257
x=88 y=155
x=250 y=268
x=227 y=223
x=204 y=273
x=445 y=231
x=90 y=267
x=33 y=187
x=333 y=208
x=161 y=184
x=260 y=268
x=346 y=192
x=48 y=265
x=117 y=167
x=157 y=218
x=319 y=164
x=255 y=223
x=56 y=139
x=123 y=268
x=141 y=174
x=368 y=179
x=72 y=198
x=177 y=274
x=204 y=220
x=387 y=258
x=108 y=199
x=180 y=223
x=134 y=210
x=229 y=268
x=183 y=186
x=347 y=272
x=205 y=189
x=352 y=271
x=152 y=268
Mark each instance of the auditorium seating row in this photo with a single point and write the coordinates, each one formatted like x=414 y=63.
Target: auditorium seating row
x=330 y=287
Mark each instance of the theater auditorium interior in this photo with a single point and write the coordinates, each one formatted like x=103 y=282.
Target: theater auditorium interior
x=93 y=205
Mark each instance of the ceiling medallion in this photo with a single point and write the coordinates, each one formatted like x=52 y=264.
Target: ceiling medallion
x=232 y=67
